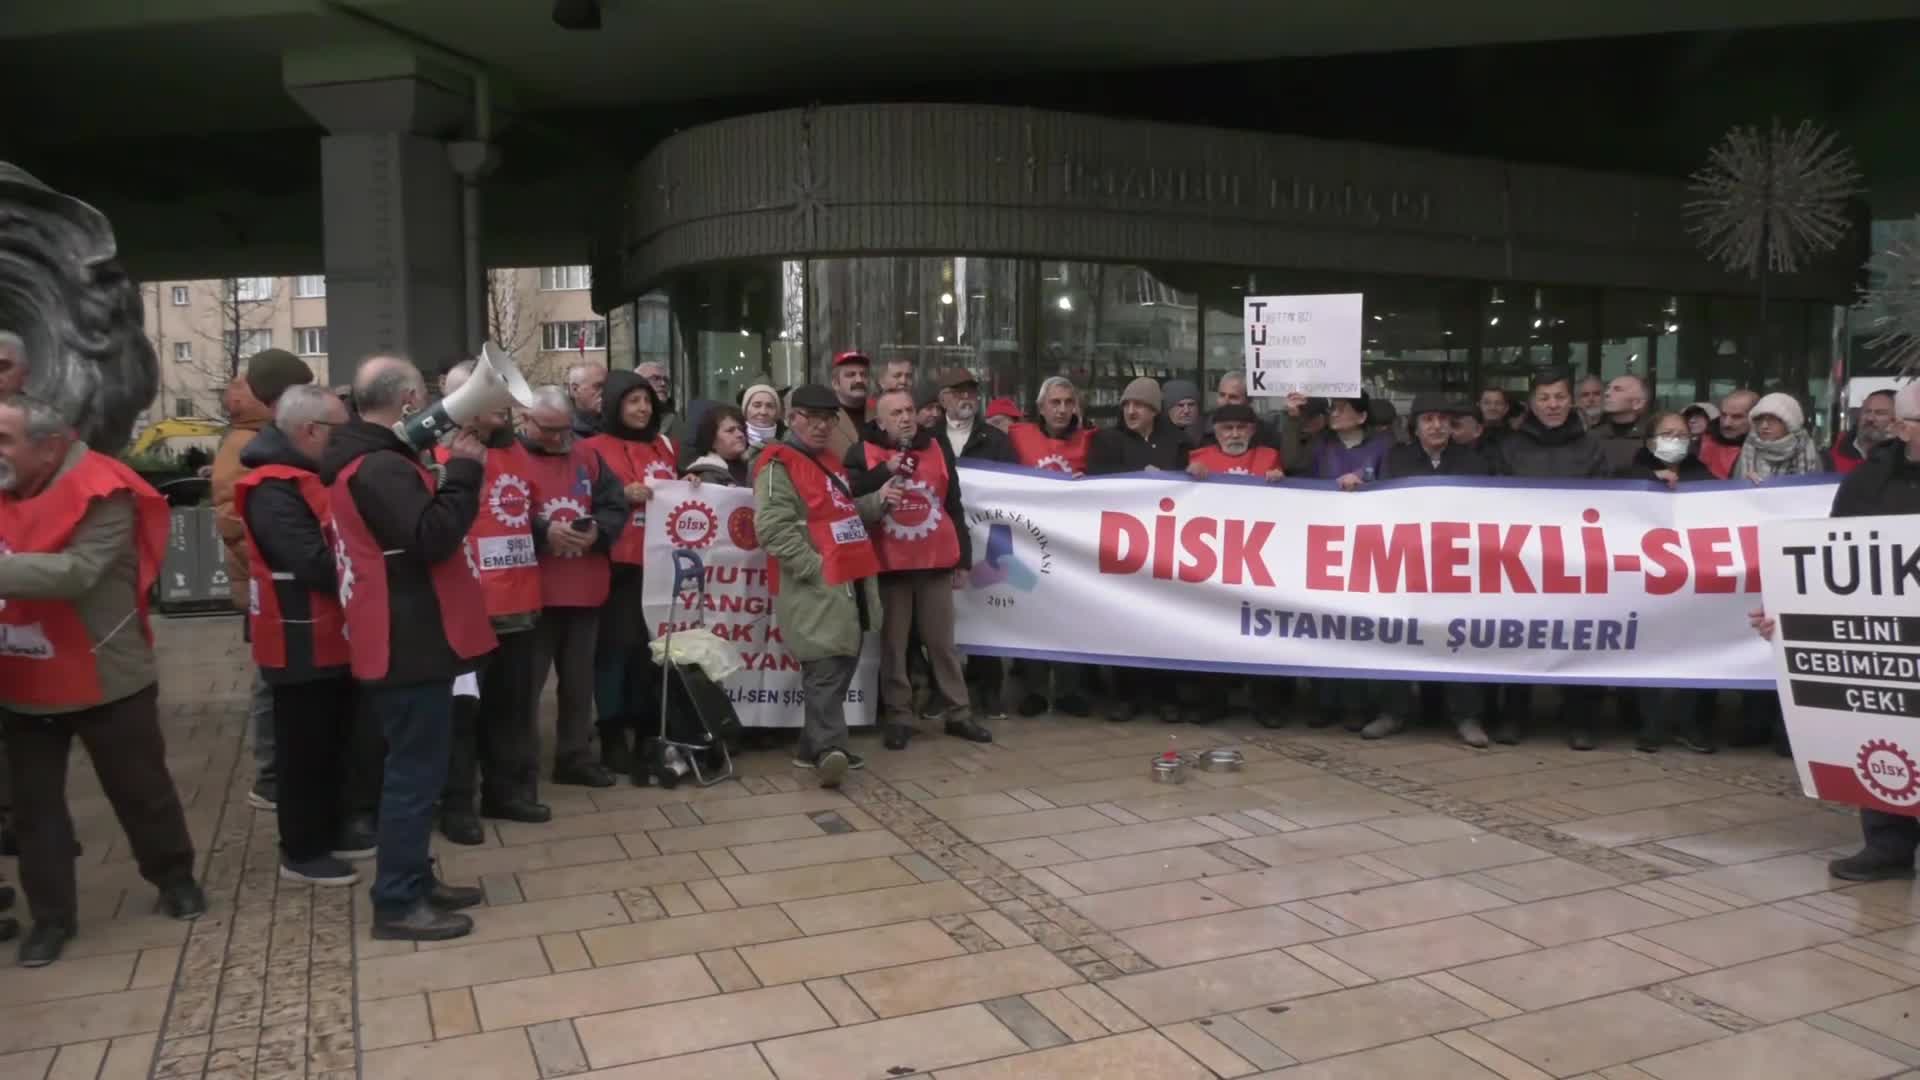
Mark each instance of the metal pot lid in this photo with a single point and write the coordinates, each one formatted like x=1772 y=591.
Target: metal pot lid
x=1221 y=759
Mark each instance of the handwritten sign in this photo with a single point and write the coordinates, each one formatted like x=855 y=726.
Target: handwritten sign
x=1309 y=344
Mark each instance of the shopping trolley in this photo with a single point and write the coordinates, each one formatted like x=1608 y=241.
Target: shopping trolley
x=697 y=719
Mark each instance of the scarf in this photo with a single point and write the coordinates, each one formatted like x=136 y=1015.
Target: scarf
x=1763 y=459
x=758 y=436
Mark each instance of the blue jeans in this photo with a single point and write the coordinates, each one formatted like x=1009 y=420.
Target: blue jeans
x=418 y=723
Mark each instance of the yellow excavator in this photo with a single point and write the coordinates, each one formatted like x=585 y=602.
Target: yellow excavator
x=175 y=428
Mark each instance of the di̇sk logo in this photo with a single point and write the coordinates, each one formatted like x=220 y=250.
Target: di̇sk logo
x=692 y=525
x=840 y=500
x=510 y=499
x=564 y=509
x=917 y=515
x=1054 y=463
x=1889 y=772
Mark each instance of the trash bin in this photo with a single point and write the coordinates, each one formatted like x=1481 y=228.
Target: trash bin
x=193 y=576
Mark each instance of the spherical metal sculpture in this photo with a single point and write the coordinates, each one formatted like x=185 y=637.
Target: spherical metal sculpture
x=1768 y=202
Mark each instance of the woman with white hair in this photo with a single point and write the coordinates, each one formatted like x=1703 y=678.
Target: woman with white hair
x=1780 y=444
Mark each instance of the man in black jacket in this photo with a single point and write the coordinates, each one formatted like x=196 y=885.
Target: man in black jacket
x=1887 y=482
x=415 y=528
x=923 y=545
x=298 y=626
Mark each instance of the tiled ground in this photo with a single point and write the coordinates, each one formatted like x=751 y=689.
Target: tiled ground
x=1035 y=908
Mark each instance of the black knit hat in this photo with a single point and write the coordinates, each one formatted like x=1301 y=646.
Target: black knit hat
x=814 y=398
x=271 y=371
x=1236 y=413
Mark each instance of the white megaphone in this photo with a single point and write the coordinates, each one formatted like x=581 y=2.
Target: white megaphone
x=495 y=382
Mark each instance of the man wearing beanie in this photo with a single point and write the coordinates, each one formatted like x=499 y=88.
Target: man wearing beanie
x=250 y=402
x=1183 y=409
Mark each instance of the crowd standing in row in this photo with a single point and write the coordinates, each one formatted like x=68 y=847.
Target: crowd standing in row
x=404 y=614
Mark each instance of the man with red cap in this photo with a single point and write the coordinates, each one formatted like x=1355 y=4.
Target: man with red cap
x=1003 y=413
x=81 y=538
x=850 y=388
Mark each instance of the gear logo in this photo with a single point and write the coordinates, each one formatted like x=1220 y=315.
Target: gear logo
x=1889 y=772
x=510 y=499
x=564 y=508
x=740 y=529
x=918 y=514
x=343 y=570
x=692 y=525
x=1054 y=463
x=658 y=470
x=1238 y=470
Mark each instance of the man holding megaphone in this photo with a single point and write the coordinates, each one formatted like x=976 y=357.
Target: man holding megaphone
x=407 y=573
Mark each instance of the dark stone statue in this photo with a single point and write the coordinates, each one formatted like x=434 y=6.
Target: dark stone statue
x=71 y=331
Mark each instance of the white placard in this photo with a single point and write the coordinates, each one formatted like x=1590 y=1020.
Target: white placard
x=1306 y=343
x=1845 y=594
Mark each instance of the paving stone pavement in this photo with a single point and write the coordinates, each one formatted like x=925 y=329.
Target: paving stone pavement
x=1037 y=907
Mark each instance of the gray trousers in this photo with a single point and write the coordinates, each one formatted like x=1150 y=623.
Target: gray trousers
x=826 y=683
x=919 y=600
x=260 y=728
x=563 y=641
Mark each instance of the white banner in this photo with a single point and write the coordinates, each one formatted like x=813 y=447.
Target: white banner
x=1845 y=593
x=1309 y=344
x=716 y=524
x=1613 y=583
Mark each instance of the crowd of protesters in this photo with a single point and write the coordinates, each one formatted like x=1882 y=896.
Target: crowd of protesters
x=405 y=611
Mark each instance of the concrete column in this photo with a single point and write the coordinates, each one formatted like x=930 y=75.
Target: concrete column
x=392 y=201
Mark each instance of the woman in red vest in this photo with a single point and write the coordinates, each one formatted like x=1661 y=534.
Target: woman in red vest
x=625 y=677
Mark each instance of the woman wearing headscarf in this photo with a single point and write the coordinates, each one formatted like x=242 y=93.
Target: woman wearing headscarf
x=761 y=411
x=1780 y=444
x=633 y=448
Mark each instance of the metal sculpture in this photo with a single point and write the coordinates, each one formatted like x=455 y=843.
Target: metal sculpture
x=71 y=321
x=1894 y=300
x=1769 y=202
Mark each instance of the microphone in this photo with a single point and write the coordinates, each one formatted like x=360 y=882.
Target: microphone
x=909 y=461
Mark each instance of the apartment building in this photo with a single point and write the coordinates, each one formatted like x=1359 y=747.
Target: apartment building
x=203 y=331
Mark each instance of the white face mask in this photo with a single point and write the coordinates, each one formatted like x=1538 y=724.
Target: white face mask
x=1670 y=449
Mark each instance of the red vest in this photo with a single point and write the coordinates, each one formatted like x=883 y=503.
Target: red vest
x=919 y=533
x=1038 y=450
x=46 y=654
x=363 y=587
x=266 y=611
x=1845 y=456
x=632 y=462
x=833 y=521
x=1257 y=461
x=1719 y=457
x=563 y=492
x=502 y=532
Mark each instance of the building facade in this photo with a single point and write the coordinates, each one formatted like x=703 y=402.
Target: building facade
x=203 y=331
x=1022 y=243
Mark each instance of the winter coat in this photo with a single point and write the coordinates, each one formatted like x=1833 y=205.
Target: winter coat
x=1331 y=459
x=1568 y=452
x=862 y=479
x=714 y=469
x=984 y=443
x=817 y=620
x=99 y=572
x=1120 y=450
x=1719 y=453
x=247 y=416
x=1621 y=443
x=1412 y=459
x=585 y=424
x=292 y=542
x=425 y=528
x=1887 y=482
x=1689 y=469
x=846 y=429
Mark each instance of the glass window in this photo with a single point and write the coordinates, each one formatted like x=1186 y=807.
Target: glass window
x=577 y=335
x=183 y=406
x=311 y=285
x=553 y=278
x=1104 y=325
x=179 y=296
x=652 y=329
x=740 y=325
x=182 y=351
x=1640 y=334
x=948 y=311
x=246 y=343
x=312 y=340
x=1531 y=327
x=252 y=289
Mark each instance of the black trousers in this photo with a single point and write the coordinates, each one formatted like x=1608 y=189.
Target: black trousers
x=312 y=728
x=496 y=747
x=1892 y=836
x=1577 y=707
x=129 y=756
x=986 y=675
x=366 y=762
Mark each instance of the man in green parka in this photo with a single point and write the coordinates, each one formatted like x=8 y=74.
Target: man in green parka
x=822 y=570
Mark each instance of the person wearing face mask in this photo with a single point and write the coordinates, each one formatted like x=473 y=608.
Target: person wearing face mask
x=1874 y=427
x=1685 y=716
x=1720 y=447
x=1779 y=444
x=760 y=405
x=626 y=693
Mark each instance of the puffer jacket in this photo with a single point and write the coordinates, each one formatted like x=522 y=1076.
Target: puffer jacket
x=1568 y=452
x=247 y=415
x=816 y=619
x=1621 y=443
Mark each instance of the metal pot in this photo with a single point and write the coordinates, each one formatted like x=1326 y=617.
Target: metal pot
x=1222 y=759
x=1169 y=769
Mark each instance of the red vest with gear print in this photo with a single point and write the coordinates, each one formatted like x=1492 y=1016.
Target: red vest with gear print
x=633 y=462
x=1039 y=450
x=1257 y=461
x=272 y=592
x=833 y=519
x=563 y=492
x=919 y=533
x=502 y=532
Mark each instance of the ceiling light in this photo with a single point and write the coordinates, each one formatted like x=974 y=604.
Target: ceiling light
x=744 y=332
x=1537 y=322
x=1673 y=328
x=1495 y=321
x=1065 y=303
x=939 y=339
x=576 y=14
x=946 y=298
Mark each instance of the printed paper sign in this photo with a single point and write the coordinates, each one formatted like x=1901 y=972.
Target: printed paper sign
x=1309 y=344
x=717 y=524
x=1845 y=595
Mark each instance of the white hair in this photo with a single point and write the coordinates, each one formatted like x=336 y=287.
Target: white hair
x=1050 y=383
x=552 y=397
x=43 y=420
x=578 y=372
x=303 y=404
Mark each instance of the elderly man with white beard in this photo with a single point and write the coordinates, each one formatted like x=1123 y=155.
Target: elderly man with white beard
x=970 y=437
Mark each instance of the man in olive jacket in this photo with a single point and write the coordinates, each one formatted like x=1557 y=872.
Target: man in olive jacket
x=822 y=570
